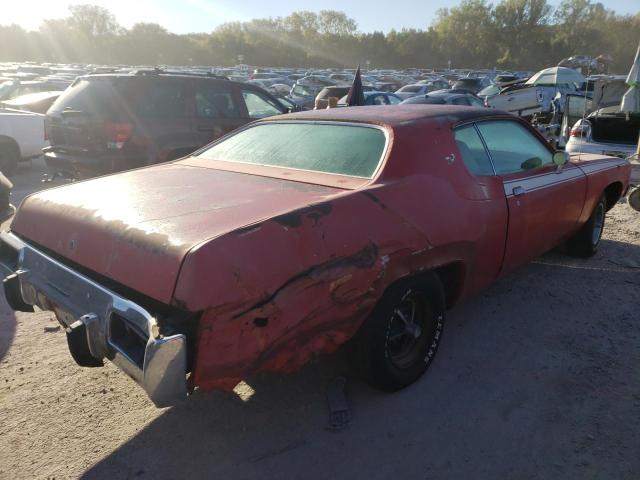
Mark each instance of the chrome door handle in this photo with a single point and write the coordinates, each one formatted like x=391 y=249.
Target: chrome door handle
x=519 y=191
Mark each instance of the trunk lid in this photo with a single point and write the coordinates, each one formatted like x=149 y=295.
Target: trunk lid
x=135 y=228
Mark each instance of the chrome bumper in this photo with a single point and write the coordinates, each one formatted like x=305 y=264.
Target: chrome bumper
x=110 y=326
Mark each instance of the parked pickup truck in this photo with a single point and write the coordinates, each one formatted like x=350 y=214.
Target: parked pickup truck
x=608 y=131
x=292 y=236
x=22 y=137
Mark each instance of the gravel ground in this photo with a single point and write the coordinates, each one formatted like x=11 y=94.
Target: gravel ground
x=536 y=378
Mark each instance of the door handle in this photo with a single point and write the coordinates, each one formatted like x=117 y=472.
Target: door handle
x=518 y=191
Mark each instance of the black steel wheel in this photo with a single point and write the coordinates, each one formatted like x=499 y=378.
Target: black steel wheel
x=398 y=342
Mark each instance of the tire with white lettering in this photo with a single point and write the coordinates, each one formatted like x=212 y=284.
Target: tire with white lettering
x=585 y=243
x=398 y=342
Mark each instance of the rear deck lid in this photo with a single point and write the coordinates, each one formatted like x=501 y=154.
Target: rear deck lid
x=136 y=227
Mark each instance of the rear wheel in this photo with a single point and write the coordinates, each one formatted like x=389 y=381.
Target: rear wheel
x=585 y=243
x=9 y=156
x=397 y=343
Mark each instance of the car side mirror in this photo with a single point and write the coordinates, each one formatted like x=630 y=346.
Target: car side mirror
x=560 y=158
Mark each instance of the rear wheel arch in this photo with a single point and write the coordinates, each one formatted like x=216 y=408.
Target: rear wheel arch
x=6 y=140
x=612 y=194
x=9 y=154
x=450 y=275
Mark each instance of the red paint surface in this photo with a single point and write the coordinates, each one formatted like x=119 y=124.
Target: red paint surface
x=283 y=270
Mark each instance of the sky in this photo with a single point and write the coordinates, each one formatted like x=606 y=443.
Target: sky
x=183 y=16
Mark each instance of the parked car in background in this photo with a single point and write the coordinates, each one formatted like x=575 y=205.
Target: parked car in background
x=279 y=89
x=12 y=89
x=376 y=98
x=371 y=241
x=473 y=85
x=608 y=131
x=113 y=122
x=335 y=91
x=436 y=84
x=32 y=102
x=305 y=90
x=22 y=136
x=445 y=97
x=409 y=91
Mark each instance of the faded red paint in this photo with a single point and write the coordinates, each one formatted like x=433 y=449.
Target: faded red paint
x=286 y=264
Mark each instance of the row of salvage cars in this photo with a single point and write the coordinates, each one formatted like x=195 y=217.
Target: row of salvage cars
x=297 y=234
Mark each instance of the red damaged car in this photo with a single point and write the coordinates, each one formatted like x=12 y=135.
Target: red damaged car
x=296 y=234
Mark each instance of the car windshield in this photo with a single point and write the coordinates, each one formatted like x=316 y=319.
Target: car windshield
x=327 y=148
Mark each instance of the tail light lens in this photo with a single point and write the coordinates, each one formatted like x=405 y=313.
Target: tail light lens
x=117 y=134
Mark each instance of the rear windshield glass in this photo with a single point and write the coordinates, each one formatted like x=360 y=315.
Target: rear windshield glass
x=90 y=96
x=340 y=149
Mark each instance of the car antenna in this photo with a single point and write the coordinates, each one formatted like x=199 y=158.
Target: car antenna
x=584 y=112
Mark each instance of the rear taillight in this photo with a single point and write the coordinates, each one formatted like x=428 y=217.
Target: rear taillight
x=117 y=134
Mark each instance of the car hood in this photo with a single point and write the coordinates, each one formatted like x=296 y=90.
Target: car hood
x=135 y=228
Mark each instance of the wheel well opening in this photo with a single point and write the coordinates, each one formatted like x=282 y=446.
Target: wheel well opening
x=451 y=276
x=612 y=194
x=8 y=141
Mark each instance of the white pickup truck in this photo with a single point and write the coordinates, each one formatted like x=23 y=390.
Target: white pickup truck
x=526 y=100
x=521 y=101
x=22 y=136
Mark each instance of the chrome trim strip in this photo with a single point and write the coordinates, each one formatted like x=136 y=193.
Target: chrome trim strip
x=541 y=181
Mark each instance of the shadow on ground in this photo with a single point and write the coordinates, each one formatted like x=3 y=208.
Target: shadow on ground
x=536 y=378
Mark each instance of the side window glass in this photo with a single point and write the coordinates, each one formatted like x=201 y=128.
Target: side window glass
x=393 y=100
x=513 y=148
x=162 y=100
x=379 y=100
x=259 y=106
x=214 y=101
x=474 y=155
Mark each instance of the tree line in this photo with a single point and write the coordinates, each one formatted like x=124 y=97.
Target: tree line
x=513 y=34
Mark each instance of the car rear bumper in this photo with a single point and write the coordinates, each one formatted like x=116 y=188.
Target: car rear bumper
x=84 y=165
x=99 y=323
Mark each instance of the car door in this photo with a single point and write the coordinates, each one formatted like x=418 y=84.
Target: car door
x=544 y=201
x=217 y=110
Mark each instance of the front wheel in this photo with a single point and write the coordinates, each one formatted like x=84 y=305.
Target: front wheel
x=398 y=342
x=585 y=243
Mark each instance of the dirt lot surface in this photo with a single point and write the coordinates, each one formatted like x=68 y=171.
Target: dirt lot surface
x=536 y=378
